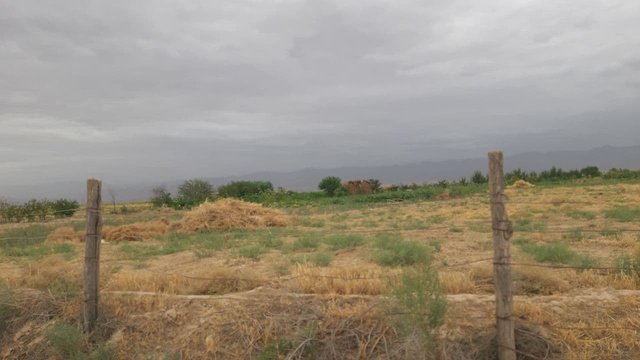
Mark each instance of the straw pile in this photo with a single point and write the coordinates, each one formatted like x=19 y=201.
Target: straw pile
x=136 y=231
x=521 y=184
x=64 y=234
x=227 y=214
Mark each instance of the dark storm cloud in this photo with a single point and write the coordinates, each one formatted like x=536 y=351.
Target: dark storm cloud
x=171 y=89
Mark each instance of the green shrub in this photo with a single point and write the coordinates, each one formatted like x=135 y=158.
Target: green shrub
x=558 y=253
x=420 y=305
x=64 y=207
x=161 y=197
x=193 y=192
x=395 y=251
x=330 y=185
x=479 y=178
x=67 y=340
x=348 y=241
x=245 y=189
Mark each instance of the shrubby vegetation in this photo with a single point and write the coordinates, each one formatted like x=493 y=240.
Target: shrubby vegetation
x=333 y=193
x=330 y=185
x=37 y=210
x=190 y=193
x=245 y=189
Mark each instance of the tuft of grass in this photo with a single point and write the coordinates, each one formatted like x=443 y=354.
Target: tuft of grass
x=528 y=225
x=558 y=253
x=580 y=214
x=456 y=229
x=436 y=244
x=574 y=235
x=137 y=251
x=322 y=259
x=312 y=222
x=348 y=241
x=307 y=242
x=275 y=350
x=630 y=264
x=7 y=306
x=67 y=340
x=395 y=251
x=271 y=242
x=252 y=252
x=623 y=214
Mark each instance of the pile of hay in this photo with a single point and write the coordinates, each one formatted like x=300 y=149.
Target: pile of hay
x=227 y=214
x=358 y=187
x=65 y=233
x=136 y=231
x=521 y=184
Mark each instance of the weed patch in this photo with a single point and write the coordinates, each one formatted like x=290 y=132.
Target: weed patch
x=395 y=251
x=558 y=253
x=623 y=214
x=349 y=241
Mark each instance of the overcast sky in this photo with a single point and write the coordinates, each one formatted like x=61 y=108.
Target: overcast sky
x=151 y=90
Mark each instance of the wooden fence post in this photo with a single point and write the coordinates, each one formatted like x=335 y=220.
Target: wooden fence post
x=92 y=253
x=502 y=231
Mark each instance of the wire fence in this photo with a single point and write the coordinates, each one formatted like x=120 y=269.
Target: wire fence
x=427 y=228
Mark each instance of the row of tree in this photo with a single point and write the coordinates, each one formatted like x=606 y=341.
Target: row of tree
x=37 y=210
x=196 y=191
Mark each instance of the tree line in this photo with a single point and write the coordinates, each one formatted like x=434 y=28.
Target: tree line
x=36 y=210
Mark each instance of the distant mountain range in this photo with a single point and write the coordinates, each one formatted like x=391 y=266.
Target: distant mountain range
x=308 y=179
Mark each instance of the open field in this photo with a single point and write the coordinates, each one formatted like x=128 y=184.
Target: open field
x=320 y=287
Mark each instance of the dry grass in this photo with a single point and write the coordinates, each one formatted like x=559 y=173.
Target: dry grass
x=208 y=302
x=227 y=214
x=65 y=234
x=345 y=280
x=142 y=231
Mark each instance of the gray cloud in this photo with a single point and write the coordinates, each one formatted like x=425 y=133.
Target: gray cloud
x=150 y=90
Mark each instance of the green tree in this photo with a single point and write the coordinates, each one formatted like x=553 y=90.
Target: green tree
x=244 y=189
x=160 y=197
x=376 y=185
x=193 y=192
x=478 y=178
x=64 y=208
x=330 y=185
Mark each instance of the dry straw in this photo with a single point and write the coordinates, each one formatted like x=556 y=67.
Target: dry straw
x=227 y=214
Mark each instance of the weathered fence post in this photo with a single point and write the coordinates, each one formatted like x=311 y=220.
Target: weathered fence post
x=502 y=231
x=92 y=253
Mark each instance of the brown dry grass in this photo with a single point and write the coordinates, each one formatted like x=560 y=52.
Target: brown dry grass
x=142 y=231
x=227 y=214
x=64 y=234
x=334 y=310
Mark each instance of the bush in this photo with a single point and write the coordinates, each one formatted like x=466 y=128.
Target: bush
x=330 y=185
x=395 y=251
x=376 y=185
x=244 y=189
x=421 y=304
x=193 y=192
x=160 y=197
x=64 y=207
x=479 y=178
